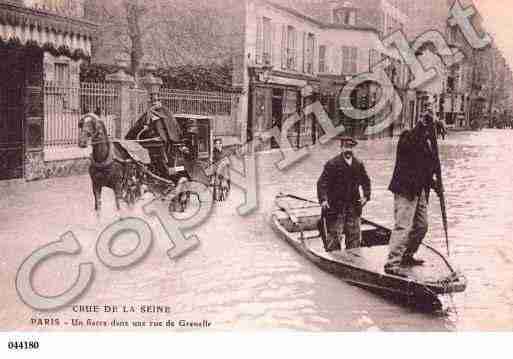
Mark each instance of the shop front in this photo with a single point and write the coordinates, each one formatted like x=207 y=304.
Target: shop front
x=276 y=99
x=29 y=39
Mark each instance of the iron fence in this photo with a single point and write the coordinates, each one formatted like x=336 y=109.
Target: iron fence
x=64 y=104
x=197 y=102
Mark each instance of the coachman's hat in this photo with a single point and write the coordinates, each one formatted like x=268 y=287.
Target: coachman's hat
x=347 y=140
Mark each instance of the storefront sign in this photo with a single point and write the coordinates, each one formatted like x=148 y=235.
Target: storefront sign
x=287 y=82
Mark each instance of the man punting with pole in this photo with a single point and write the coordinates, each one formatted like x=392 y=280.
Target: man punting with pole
x=417 y=166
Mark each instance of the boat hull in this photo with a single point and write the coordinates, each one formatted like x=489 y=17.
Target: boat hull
x=364 y=266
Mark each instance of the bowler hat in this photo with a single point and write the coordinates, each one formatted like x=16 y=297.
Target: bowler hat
x=347 y=140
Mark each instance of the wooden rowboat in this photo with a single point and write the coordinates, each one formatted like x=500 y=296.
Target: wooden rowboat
x=296 y=221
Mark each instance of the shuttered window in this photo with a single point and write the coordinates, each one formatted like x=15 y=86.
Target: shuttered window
x=267 y=41
x=303 y=52
x=291 y=48
x=349 y=60
x=310 y=52
x=322 y=58
x=259 y=41
x=62 y=73
x=284 y=47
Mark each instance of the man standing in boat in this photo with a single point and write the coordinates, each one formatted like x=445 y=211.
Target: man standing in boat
x=413 y=178
x=338 y=191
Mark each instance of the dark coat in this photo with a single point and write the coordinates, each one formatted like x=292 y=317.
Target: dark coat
x=416 y=164
x=218 y=155
x=339 y=183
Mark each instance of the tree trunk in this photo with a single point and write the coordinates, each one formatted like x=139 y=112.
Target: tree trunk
x=134 y=14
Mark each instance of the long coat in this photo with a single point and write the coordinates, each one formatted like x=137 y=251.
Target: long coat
x=339 y=183
x=416 y=164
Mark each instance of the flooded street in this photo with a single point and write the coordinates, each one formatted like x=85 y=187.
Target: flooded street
x=242 y=276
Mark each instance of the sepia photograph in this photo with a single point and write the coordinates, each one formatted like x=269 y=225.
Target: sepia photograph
x=255 y=165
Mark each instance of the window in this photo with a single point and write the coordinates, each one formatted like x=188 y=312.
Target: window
x=349 y=60
x=310 y=50
x=291 y=48
x=62 y=75
x=344 y=16
x=264 y=41
x=267 y=39
x=375 y=58
x=322 y=59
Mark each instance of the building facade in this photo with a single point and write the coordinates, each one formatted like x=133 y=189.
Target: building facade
x=288 y=51
x=472 y=92
x=39 y=40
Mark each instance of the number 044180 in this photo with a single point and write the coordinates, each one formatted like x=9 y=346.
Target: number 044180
x=23 y=345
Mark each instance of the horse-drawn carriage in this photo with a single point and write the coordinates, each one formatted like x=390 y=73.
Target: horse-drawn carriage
x=159 y=154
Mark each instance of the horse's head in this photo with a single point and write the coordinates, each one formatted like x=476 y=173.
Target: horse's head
x=91 y=128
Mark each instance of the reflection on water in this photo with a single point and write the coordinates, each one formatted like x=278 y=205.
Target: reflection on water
x=243 y=276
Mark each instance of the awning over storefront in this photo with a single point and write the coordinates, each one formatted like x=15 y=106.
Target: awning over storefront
x=51 y=32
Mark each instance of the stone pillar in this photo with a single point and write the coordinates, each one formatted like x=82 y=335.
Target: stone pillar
x=153 y=84
x=124 y=82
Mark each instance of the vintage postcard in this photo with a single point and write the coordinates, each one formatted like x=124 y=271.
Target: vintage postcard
x=234 y=165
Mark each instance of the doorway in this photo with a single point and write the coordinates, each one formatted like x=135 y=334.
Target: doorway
x=12 y=114
x=276 y=112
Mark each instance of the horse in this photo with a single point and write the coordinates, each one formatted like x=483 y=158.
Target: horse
x=105 y=170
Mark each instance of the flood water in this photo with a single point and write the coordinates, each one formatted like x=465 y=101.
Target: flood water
x=242 y=276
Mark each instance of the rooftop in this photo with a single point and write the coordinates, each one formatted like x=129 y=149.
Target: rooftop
x=295 y=8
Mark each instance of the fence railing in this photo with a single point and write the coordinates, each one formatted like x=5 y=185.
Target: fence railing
x=197 y=102
x=64 y=104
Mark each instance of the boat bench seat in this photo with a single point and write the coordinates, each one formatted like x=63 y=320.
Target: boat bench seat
x=306 y=222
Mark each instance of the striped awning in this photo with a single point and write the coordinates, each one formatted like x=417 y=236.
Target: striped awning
x=45 y=29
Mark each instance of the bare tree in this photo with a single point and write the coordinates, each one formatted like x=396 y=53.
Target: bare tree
x=170 y=33
x=122 y=29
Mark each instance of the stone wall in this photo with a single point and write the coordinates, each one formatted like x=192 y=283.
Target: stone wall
x=37 y=168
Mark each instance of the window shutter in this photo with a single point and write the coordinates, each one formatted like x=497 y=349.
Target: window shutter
x=337 y=57
x=259 y=40
x=345 y=57
x=354 y=60
x=321 y=62
x=295 y=49
x=275 y=46
x=315 y=54
x=327 y=62
x=301 y=52
x=284 y=47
